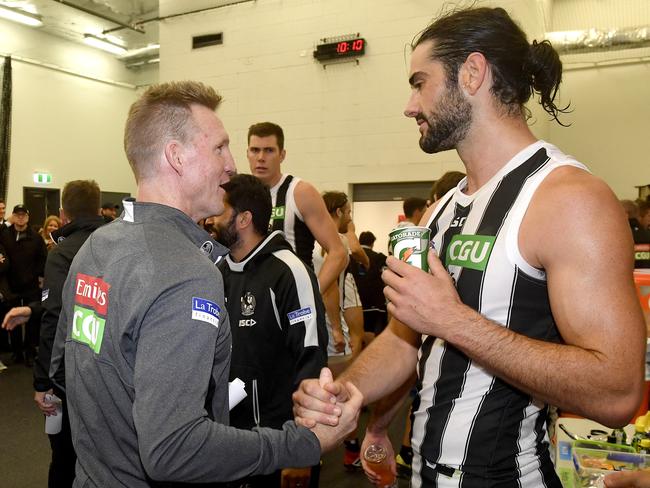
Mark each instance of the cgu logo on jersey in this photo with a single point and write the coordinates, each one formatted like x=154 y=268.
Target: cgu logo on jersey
x=277 y=213
x=87 y=325
x=470 y=251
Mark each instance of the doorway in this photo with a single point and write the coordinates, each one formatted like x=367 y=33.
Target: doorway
x=377 y=207
x=41 y=202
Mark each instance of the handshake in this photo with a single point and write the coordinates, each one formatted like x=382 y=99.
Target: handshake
x=329 y=409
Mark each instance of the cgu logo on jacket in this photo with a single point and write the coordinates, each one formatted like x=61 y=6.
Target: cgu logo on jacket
x=89 y=316
x=470 y=251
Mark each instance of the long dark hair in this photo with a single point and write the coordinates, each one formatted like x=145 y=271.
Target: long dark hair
x=519 y=69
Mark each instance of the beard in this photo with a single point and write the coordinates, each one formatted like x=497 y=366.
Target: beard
x=449 y=124
x=227 y=233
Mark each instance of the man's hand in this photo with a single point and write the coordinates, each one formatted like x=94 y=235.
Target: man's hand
x=628 y=479
x=377 y=438
x=295 y=477
x=45 y=407
x=317 y=401
x=338 y=338
x=330 y=437
x=15 y=317
x=426 y=302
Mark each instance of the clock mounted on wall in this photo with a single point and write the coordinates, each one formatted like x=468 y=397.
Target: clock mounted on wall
x=351 y=46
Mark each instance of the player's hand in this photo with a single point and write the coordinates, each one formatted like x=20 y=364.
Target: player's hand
x=628 y=479
x=315 y=400
x=339 y=339
x=330 y=437
x=426 y=302
x=46 y=407
x=377 y=438
x=15 y=317
x=295 y=477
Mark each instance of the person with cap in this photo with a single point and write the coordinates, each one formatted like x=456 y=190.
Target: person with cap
x=27 y=253
x=109 y=211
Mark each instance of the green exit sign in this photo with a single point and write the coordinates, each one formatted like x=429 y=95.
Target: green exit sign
x=42 y=178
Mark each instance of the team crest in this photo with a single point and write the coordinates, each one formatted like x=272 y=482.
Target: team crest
x=207 y=247
x=247 y=304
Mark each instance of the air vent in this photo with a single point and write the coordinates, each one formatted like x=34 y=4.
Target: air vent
x=207 y=40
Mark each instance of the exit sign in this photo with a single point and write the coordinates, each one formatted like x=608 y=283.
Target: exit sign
x=42 y=178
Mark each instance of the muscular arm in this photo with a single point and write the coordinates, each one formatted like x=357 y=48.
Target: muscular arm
x=575 y=230
x=313 y=211
x=386 y=364
x=331 y=303
x=381 y=368
x=356 y=251
x=384 y=410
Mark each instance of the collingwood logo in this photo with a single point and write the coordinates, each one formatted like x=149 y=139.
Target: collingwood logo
x=207 y=247
x=247 y=304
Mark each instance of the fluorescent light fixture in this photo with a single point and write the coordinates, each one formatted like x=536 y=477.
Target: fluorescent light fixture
x=100 y=43
x=21 y=16
x=142 y=51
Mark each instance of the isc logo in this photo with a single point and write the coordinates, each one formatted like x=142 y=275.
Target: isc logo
x=470 y=251
x=247 y=323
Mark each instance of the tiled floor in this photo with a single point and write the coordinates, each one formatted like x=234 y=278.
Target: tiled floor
x=25 y=450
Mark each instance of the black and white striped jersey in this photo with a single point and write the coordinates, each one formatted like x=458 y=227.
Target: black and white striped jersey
x=470 y=428
x=286 y=217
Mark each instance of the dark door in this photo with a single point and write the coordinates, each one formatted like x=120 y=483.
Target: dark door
x=41 y=202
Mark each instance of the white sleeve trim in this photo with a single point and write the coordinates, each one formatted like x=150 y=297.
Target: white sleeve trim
x=305 y=292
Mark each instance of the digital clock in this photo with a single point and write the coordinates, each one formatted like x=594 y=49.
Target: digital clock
x=340 y=49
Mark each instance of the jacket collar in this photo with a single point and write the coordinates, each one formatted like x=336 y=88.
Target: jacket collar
x=81 y=223
x=145 y=212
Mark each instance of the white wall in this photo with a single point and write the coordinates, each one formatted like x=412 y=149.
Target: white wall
x=343 y=124
x=67 y=126
x=610 y=129
x=610 y=122
x=379 y=218
x=62 y=124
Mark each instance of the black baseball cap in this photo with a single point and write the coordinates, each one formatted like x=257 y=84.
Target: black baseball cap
x=20 y=208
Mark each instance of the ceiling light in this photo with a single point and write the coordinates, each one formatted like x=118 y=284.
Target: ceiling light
x=21 y=16
x=100 y=43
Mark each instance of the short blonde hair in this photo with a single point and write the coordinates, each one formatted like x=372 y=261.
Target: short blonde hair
x=163 y=112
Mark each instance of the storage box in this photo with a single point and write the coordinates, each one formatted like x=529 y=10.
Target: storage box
x=592 y=465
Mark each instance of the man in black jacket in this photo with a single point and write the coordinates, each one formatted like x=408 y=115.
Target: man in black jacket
x=277 y=317
x=80 y=201
x=371 y=286
x=27 y=253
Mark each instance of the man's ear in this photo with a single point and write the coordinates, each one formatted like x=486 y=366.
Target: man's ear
x=283 y=154
x=244 y=219
x=174 y=156
x=472 y=73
